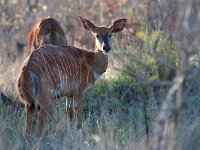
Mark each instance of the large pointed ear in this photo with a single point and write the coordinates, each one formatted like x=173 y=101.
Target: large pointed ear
x=118 y=25
x=89 y=26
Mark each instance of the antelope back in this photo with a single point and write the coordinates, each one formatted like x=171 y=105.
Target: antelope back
x=58 y=71
x=46 y=31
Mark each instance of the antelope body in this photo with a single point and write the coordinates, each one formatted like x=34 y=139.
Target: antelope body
x=46 y=31
x=55 y=71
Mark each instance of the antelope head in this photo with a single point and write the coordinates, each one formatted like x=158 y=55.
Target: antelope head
x=103 y=33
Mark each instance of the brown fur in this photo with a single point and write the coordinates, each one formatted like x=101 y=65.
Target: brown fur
x=54 y=71
x=46 y=31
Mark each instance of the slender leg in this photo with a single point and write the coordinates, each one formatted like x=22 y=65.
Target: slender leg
x=79 y=114
x=74 y=109
x=79 y=110
x=45 y=111
x=40 y=121
x=28 y=120
x=69 y=106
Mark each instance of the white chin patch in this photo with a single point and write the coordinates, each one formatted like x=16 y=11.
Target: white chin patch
x=101 y=49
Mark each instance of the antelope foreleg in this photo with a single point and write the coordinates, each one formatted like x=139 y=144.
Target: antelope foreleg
x=45 y=112
x=79 y=111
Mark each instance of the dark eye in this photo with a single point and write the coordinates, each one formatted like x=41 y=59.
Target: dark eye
x=98 y=36
x=110 y=35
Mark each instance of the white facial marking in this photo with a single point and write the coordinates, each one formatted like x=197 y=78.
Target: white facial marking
x=99 y=45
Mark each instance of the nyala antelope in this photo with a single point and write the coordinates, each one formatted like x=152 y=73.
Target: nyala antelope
x=55 y=71
x=46 y=31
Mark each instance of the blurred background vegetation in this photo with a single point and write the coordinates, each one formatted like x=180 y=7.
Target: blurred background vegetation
x=149 y=98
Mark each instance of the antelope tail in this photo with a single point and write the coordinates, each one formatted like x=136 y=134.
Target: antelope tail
x=27 y=87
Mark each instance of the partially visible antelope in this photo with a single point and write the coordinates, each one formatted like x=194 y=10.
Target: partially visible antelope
x=12 y=106
x=46 y=31
x=55 y=71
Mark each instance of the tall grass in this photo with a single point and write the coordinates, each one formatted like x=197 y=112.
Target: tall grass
x=108 y=123
x=121 y=110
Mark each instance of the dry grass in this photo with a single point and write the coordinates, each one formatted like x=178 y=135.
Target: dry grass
x=120 y=111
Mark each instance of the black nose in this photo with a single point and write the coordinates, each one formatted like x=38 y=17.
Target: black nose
x=107 y=49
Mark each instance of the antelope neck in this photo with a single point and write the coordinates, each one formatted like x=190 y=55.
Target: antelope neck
x=100 y=63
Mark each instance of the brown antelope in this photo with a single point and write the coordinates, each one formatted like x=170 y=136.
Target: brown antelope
x=55 y=71
x=46 y=31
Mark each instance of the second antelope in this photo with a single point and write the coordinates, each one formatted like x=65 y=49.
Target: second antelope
x=46 y=31
x=54 y=71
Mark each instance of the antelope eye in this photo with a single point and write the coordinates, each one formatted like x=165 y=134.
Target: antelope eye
x=98 y=36
x=110 y=35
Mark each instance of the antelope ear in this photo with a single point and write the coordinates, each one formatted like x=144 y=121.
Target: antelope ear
x=118 y=25
x=89 y=26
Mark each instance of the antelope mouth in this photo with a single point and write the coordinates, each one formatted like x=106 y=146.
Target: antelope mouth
x=106 y=50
